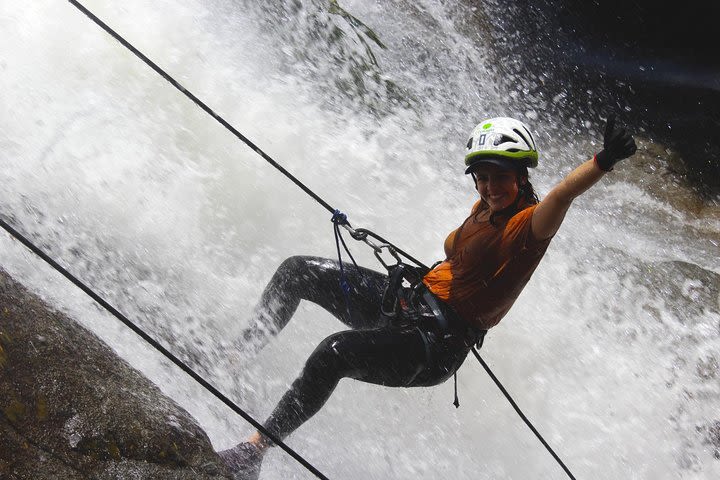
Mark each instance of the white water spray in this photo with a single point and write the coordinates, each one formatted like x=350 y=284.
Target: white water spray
x=609 y=350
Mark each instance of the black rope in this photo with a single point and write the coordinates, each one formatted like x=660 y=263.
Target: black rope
x=338 y=219
x=155 y=344
x=519 y=412
x=217 y=117
x=199 y=103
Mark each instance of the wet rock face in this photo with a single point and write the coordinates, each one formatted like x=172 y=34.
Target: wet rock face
x=652 y=64
x=712 y=437
x=71 y=408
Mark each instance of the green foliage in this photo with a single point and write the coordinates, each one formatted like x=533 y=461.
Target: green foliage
x=336 y=46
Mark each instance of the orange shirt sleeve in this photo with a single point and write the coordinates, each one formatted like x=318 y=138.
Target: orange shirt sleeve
x=518 y=232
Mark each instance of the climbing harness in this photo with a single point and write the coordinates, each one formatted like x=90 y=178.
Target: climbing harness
x=393 y=304
x=411 y=304
x=416 y=305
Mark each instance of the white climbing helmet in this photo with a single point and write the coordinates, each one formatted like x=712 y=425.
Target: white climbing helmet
x=502 y=141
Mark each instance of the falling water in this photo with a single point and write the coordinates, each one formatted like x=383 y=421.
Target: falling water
x=612 y=349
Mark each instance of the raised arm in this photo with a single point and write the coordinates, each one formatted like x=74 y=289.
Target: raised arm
x=549 y=214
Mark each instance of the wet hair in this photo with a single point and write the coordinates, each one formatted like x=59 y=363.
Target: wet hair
x=526 y=196
x=526 y=189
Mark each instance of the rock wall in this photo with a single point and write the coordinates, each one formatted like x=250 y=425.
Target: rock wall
x=593 y=58
x=71 y=408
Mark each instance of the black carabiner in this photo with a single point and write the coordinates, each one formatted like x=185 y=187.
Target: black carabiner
x=378 y=254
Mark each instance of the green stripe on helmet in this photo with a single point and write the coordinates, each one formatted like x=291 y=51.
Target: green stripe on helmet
x=531 y=156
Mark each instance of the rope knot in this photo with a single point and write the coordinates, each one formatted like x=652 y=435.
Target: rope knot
x=339 y=218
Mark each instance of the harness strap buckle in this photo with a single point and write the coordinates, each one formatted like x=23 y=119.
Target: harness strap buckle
x=432 y=302
x=389 y=305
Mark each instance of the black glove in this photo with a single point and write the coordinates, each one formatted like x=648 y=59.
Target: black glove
x=617 y=144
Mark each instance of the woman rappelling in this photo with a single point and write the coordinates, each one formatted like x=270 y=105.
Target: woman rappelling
x=420 y=335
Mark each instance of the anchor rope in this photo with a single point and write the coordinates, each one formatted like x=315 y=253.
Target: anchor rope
x=521 y=414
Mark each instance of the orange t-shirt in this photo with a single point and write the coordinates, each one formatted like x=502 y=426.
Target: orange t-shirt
x=487 y=265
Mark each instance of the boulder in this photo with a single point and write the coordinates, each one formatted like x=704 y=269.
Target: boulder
x=71 y=408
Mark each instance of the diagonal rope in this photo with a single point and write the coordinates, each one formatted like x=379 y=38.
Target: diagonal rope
x=522 y=415
x=155 y=344
x=199 y=103
x=214 y=115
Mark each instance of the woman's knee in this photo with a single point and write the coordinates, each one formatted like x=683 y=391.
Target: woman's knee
x=328 y=357
x=290 y=273
x=293 y=265
x=303 y=267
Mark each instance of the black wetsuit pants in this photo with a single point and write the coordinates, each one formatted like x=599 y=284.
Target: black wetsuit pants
x=374 y=350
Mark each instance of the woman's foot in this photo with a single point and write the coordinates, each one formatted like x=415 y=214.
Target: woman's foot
x=243 y=460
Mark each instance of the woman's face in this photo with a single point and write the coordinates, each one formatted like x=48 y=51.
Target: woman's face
x=497 y=186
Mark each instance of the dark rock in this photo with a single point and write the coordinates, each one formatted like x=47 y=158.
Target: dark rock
x=71 y=408
x=690 y=289
x=653 y=65
x=711 y=437
x=660 y=171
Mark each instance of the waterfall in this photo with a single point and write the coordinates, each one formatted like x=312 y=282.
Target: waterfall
x=612 y=349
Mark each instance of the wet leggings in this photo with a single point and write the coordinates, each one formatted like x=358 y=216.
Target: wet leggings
x=371 y=351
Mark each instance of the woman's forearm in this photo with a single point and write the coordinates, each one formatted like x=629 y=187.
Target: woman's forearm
x=578 y=181
x=550 y=213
